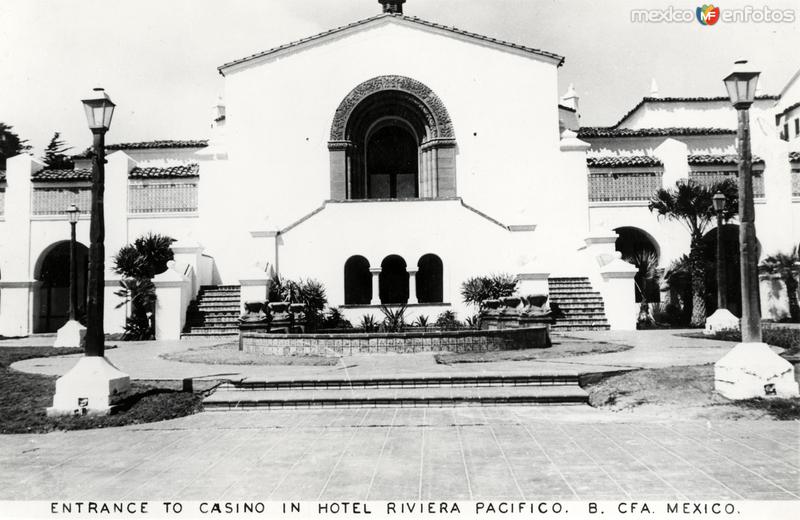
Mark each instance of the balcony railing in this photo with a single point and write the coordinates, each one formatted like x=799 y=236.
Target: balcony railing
x=56 y=200
x=162 y=197
x=708 y=178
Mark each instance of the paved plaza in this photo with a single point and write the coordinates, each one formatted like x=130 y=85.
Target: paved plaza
x=552 y=453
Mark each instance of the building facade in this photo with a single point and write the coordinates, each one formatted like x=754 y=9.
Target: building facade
x=391 y=159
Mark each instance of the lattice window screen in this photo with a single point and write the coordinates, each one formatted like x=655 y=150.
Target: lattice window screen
x=710 y=177
x=178 y=197
x=56 y=201
x=623 y=186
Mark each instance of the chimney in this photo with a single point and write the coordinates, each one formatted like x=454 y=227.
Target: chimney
x=392 y=6
x=653 y=88
x=570 y=98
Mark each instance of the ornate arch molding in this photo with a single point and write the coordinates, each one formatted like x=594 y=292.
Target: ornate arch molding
x=439 y=118
x=402 y=95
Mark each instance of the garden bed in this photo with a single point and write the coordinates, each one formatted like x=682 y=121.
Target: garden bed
x=229 y=354
x=564 y=346
x=677 y=393
x=24 y=398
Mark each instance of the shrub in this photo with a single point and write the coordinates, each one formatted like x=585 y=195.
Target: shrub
x=334 y=319
x=448 y=321
x=368 y=323
x=138 y=263
x=309 y=292
x=422 y=321
x=394 y=320
x=478 y=289
x=473 y=322
x=778 y=336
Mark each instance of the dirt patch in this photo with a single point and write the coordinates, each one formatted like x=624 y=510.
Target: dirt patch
x=564 y=346
x=229 y=354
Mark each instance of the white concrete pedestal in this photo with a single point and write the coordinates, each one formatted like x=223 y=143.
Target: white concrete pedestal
x=89 y=388
x=722 y=319
x=754 y=370
x=70 y=335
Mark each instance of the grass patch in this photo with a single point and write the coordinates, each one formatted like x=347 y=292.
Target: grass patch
x=562 y=347
x=229 y=354
x=680 y=392
x=24 y=397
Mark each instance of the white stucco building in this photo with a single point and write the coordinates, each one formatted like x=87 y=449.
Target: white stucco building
x=391 y=159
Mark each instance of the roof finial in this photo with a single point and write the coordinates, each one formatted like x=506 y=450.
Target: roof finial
x=653 y=88
x=392 y=6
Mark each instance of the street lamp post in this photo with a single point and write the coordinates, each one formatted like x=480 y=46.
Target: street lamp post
x=722 y=294
x=73 y=213
x=92 y=385
x=751 y=369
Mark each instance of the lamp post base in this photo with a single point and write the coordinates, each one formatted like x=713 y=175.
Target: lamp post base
x=722 y=319
x=90 y=388
x=70 y=335
x=753 y=370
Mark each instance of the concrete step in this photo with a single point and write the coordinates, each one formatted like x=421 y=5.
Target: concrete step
x=395 y=397
x=405 y=382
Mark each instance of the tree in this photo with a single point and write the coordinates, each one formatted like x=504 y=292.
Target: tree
x=690 y=203
x=10 y=144
x=54 y=155
x=787 y=266
x=646 y=263
x=138 y=263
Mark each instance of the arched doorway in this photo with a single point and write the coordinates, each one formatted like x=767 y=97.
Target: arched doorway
x=733 y=276
x=393 y=280
x=392 y=137
x=392 y=162
x=430 y=279
x=641 y=249
x=357 y=281
x=51 y=305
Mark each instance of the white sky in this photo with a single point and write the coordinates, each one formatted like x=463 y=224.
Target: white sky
x=157 y=59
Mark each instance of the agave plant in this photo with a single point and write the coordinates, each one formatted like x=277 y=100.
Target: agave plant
x=394 y=319
x=473 y=322
x=368 y=323
x=422 y=322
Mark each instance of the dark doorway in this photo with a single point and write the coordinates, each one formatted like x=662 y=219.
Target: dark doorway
x=393 y=280
x=639 y=248
x=392 y=163
x=52 y=302
x=733 y=276
x=430 y=279
x=357 y=281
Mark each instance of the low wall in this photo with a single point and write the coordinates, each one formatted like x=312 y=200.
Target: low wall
x=345 y=344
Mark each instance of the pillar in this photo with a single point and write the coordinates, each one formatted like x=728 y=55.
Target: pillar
x=412 y=286
x=172 y=293
x=376 y=285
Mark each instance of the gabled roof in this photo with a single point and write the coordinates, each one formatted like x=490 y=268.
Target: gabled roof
x=684 y=100
x=623 y=161
x=611 y=131
x=394 y=16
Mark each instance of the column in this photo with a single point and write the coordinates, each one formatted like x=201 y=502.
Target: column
x=412 y=286
x=376 y=285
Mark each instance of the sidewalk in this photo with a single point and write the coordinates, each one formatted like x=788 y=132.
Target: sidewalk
x=652 y=349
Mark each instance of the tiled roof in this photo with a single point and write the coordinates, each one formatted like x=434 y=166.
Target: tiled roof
x=83 y=174
x=710 y=159
x=609 y=131
x=167 y=143
x=183 y=170
x=622 y=161
x=794 y=156
x=412 y=19
x=684 y=100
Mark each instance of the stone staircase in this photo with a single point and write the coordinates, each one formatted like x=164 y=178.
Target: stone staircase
x=582 y=307
x=215 y=312
x=411 y=391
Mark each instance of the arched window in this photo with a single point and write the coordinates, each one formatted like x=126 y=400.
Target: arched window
x=393 y=280
x=357 y=281
x=392 y=163
x=430 y=279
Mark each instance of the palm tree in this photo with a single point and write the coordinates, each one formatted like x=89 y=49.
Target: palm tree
x=690 y=203
x=786 y=266
x=646 y=263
